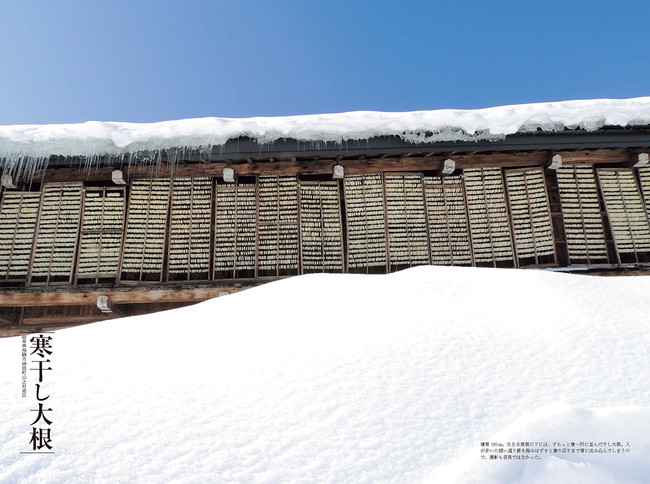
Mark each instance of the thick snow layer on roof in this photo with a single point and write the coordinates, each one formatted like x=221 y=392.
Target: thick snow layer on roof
x=348 y=378
x=99 y=138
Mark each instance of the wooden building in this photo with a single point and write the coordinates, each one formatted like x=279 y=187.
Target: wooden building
x=129 y=235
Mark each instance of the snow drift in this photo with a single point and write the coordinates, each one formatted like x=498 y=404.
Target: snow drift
x=348 y=378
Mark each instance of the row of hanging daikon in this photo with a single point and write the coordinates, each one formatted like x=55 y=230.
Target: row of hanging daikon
x=189 y=229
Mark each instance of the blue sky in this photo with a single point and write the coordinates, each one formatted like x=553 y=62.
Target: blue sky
x=73 y=61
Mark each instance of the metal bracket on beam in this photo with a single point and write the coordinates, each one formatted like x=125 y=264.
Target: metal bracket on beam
x=118 y=177
x=448 y=167
x=106 y=307
x=556 y=162
x=229 y=175
x=102 y=304
x=7 y=181
x=641 y=159
x=338 y=173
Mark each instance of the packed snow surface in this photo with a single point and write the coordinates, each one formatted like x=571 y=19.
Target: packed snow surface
x=348 y=378
x=114 y=138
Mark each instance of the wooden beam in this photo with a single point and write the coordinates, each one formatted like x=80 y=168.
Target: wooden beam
x=65 y=320
x=127 y=295
x=319 y=166
x=594 y=156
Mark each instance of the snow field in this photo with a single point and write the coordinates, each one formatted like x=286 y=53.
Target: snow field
x=348 y=378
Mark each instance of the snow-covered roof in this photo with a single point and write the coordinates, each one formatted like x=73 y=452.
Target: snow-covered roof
x=94 y=138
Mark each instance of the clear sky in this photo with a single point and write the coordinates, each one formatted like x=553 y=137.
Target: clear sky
x=143 y=60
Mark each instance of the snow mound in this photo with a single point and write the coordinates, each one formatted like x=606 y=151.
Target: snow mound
x=347 y=378
x=95 y=138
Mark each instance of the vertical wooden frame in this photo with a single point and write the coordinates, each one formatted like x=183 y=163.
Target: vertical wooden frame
x=540 y=253
x=31 y=201
x=98 y=275
x=557 y=218
x=595 y=245
x=633 y=229
x=53 y=252
x=386 y=235
x=406 y=220
x=487 y=217
x=511 y=221
x=299 y=213
x=319 y=199
x=28 y=200
x=275 y=221
x=217 y=267
x=550 y=218
x=340 y=207
x=440 y=196
x=478 y=206
x=142 y=274
x=194 y=216
x=343 y=230
x=213 y=228
x=240 y=199
x=257 y=226
x=643 y=179
x=361 y=196
x=426 y=220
